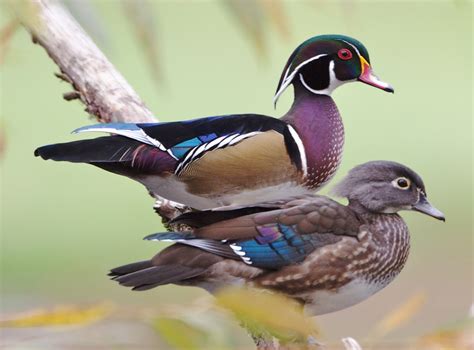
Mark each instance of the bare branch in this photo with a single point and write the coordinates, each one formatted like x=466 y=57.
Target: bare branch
x=104 y=91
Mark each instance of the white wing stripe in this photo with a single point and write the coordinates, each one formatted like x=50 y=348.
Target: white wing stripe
x=244 y=136
x=137 y=134
x=215 y=142
x=227 y=140
x=218 y=143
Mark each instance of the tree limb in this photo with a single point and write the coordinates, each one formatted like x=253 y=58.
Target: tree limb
x=104 y=91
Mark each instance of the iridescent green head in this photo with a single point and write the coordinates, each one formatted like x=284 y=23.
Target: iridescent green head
x=324 y=62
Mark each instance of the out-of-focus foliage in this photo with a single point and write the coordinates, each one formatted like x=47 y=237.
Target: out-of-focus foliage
x=6 y=34
x=275 y=11
x=181 y=334
x=459 y=337
x=22 y=10
x=249 y=14
x=144 y=23
x=206 y=324
x=59 y=316
x=399 y=316
x=2 y=140
x=252 y=17
x=268 y=312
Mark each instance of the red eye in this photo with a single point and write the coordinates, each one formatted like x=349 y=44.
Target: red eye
x=344 y=54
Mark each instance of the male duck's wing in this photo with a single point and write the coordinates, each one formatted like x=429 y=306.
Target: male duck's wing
x=272 y=239
x=232 y=149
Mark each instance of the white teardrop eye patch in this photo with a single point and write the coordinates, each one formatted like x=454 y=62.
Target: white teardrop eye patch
x=402 y=183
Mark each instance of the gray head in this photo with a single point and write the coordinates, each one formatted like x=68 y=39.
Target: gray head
x=386 y=187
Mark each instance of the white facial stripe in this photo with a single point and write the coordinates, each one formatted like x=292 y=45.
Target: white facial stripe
x=301 y=149
x=333 y=82
x=355 y=48
x=288 y=78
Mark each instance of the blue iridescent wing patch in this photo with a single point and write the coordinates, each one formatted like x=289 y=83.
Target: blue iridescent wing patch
x=275 y=247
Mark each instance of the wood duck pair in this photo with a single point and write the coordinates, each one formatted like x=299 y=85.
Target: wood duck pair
x=273 y=233
x=244 y=158
x=324 y=254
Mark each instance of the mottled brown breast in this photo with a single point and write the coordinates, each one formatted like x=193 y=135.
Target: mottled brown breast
x=256 y=162
x=376 y=256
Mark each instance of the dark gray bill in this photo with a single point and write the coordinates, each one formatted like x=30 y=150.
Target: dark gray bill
x=425 y=207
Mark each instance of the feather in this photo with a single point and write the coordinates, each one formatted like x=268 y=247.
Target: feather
x=170 y=236
x=161 y=149
x=157 y=275
x=116 y=154
x=132 y=131
x=129 y=268
x=261 y=160
x=174 y=264
x=207 y=217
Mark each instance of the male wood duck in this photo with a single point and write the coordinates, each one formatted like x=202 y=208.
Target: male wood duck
x=326 y=255
x=242 y=158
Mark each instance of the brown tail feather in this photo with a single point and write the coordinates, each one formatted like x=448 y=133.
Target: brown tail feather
x=129 y=268
x=157 y=275
x=174 y=264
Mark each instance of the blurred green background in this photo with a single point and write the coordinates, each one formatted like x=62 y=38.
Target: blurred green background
x=64 y=225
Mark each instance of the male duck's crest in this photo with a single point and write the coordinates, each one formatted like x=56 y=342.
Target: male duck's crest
x=324 y=62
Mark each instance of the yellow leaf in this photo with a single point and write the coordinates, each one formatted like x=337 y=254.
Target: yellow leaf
x=459 y=336
x=276 y=314
x=59 y=316
x=180 y=334
x=276 y=13
x=400 y=315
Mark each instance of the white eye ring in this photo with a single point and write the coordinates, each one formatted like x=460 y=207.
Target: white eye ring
x=402 y=183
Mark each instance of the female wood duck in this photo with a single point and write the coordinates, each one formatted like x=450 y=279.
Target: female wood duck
x=315 y=250
x=239 y=159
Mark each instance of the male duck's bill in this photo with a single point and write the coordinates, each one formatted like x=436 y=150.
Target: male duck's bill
x=368 y=77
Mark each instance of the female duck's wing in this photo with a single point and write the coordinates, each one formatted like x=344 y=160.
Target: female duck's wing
x=275 y=238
